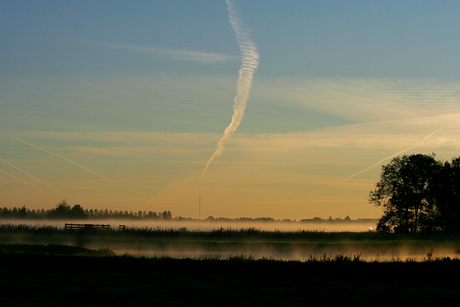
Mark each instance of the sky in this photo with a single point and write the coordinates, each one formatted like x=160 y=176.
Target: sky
x=121 y=104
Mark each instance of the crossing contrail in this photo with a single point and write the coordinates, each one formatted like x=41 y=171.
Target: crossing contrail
x=32 y=176
x=52 y=153
x=249 y=63
x=17 y=178
x=393 y=155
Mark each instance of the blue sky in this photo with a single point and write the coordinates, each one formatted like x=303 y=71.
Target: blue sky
x=300 y=38
x=141 y=92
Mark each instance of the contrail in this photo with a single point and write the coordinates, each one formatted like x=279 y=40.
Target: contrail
x=52 y=153
x=394 y=155
x=249 y=63
x=17 y=178
x=32 y=176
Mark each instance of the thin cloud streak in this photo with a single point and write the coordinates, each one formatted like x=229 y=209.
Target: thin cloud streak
x=249 y=64
x=52 y=153
x=394 y=155
x=178 y=55
x=364 y=100
x=41 y=181
x=17 y=178
x=389 y=135
x=118 y=187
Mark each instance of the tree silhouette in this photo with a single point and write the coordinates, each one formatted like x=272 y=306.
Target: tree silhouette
x=61 y=211
x=22 y=213
x=448 y=199
x=407 y=192
x=77 y=212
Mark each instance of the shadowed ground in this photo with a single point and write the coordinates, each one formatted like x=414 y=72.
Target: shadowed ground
x=72 y=276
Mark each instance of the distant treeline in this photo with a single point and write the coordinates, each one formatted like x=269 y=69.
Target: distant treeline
x=65 y=211
x=347 y=219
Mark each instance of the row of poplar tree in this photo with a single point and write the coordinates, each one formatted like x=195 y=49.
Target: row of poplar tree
x=65 y=211
x=419 y=194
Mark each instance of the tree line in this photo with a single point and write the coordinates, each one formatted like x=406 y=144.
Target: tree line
x=418 y=194
x=315 y=220
x=64 y=211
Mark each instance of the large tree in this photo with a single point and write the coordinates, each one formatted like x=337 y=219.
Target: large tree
x=448 y=196
x=407 y=193
x=61 y=211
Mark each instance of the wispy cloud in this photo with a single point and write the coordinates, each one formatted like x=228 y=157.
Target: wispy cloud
x=41 y=181
x=364 y=99
x=54 y=154
x=246 y=73
x=385 y=136
x=135 y=151
x=392 y=156
x=12 y=176
x=174 y=54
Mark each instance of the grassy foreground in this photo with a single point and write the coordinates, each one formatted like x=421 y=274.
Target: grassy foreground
x=54 y=275
x=250 y=241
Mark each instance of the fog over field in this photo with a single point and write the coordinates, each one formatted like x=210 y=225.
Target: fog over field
x=302 y=252
x=195 y=225
x=194 y=239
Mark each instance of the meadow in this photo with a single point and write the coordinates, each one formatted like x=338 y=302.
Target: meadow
x=47 y=265
x=251 y=242
x=56 y=275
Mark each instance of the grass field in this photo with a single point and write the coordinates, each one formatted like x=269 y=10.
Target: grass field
x=295 y=245
x=48 y=266
x=54 y=275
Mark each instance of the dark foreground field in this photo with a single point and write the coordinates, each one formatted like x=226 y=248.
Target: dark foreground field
x=53 y=275
x=294 y=245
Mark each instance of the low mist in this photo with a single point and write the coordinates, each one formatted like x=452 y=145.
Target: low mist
x=194 y=239
x=195 y=225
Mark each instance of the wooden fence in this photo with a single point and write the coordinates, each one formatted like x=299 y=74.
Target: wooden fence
x=86 y=227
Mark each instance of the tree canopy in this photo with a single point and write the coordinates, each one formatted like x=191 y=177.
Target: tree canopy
x=418 y=194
